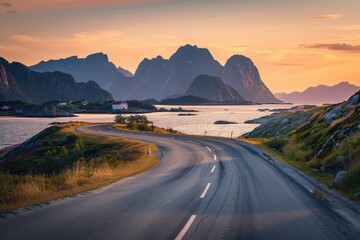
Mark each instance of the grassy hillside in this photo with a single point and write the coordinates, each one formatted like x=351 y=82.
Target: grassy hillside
x=324 y=140
x=60 y=161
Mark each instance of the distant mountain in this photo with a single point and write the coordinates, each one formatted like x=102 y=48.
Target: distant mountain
x=125 y=72
x=18 y=82
x=241 y=74
x=320 y=94
x=96 y=67
x=213 y=88
x=160 y=78
x=188 y=100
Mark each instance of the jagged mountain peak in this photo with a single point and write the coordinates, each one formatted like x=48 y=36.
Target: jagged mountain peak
x=239 y=59
x=3 y=61
x=190 y=53
x=99 y=56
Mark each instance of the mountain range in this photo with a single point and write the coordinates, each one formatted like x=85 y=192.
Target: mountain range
x=18 y=82
x=95 y=67
x=160 y=78
x=320 y=94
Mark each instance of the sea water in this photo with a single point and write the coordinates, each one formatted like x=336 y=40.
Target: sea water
x=15 y=130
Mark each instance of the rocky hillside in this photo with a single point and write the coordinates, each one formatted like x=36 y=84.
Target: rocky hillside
x=327 y=138
x=213 y=88
x=320 y=94
x=95 y=67
x=17 y=82
x=125 y=72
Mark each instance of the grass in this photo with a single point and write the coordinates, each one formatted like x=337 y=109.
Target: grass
x=60 y=168
x=322 y=177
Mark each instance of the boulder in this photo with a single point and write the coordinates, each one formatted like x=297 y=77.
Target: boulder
x=354 y=100
x=319 y=153
x=332 y=115
x=285 y=121
x=338 y=178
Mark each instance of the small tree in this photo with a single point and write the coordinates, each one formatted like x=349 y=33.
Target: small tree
x=120 y=119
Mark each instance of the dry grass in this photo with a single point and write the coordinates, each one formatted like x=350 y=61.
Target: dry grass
x=18 y=190
x=319 y=194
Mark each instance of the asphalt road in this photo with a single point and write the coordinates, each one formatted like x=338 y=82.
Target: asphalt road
x=204 y=188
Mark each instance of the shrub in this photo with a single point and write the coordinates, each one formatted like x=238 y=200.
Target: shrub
x=351 y=181
x=277 y=144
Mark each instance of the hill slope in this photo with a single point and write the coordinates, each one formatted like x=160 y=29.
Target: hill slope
x=325 y=138
x=213 y=88
x=17 y=82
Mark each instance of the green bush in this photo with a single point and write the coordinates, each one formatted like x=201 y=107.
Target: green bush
x=277 y=144
x=351 y=181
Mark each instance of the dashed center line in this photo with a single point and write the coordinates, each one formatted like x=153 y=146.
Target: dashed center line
x=192 y=142
x=213 y=169
x=186 y=228
x=214 y=157
x=205 y=190
x=208 y=148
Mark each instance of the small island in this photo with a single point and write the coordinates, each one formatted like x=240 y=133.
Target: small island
x=224 y=122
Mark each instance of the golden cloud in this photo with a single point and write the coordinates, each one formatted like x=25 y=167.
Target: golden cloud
x=328 y=17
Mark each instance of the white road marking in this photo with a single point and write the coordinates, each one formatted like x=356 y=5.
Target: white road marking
x=205 y=190
x=212 y=170
x=214 y=157
x=208 y=148
x=192 y=142
x=186 y=228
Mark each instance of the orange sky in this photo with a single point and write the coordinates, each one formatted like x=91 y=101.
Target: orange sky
x=295 y=44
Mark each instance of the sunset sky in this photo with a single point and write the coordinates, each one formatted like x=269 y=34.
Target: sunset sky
x=295 y=44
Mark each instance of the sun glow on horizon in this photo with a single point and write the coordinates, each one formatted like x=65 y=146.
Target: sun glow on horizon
x=294 y=45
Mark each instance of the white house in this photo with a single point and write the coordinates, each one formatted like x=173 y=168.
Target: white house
x=63 y=103
x=119 y=105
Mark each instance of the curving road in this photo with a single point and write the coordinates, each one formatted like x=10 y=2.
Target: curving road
x=204 y=188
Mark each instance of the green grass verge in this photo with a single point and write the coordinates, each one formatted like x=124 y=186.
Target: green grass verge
x=322 y=177
x=67 y=162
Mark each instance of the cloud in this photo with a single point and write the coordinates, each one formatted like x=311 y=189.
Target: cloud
x=289 y=64
x=328 y=17
x=27 y=38
x=344 y=28
x=5 y=4
x=335 y=46
x=11 y=12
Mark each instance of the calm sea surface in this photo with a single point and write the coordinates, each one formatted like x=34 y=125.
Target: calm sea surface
x=17 y=130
